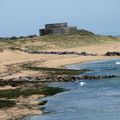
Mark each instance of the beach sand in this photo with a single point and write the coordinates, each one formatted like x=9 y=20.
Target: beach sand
x=8 y=58
x=10 y=61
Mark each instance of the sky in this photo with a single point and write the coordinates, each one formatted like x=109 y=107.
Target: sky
x=26 y=17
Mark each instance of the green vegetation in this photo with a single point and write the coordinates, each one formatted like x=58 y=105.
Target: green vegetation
x=33 y=42
x=83 y=32
x=7 y=103
x=10 y=98
x=18 y=83
x=76 y=40
x=55 y=71
x=6 y=96
x=10 y=94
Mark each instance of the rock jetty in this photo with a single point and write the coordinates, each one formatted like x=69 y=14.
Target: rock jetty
x=112 y=54
x=59 y=53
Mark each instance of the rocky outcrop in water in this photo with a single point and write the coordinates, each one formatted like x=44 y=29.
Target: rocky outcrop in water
x=39 y=79
x=75 y=78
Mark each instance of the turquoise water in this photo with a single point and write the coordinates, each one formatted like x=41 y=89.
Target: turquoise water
x=96 y=100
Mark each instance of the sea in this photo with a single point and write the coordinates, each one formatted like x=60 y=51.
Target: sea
x=91 y=100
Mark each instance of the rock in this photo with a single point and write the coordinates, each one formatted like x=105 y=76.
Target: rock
x=112 y=54
x=59 y=52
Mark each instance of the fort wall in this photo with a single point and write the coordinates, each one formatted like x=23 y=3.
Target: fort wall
x=57 y=29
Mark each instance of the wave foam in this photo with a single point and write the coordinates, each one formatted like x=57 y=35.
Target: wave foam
x=117 y=63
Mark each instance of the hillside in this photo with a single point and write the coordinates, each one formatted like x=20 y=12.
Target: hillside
x=81 y=38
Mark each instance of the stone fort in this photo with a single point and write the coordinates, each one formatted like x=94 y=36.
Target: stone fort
x=57 y=29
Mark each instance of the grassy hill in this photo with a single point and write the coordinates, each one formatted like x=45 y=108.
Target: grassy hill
x=80 y=38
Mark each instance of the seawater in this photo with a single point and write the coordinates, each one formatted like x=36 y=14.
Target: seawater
x=96 y=100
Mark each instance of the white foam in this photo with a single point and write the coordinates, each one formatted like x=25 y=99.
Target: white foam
x=82 y=83
x=117 y=63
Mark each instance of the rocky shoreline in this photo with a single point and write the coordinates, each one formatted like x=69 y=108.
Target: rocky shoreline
x=42 y=79
x=29 y=88
x=59 y=53
x=23 y=91
x=23 y=100
x=112 y=53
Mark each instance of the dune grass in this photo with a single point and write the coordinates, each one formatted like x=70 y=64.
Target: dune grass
x=58 y=41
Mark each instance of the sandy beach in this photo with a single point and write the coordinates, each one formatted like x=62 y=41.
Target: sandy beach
x=10 y=61
x=45 y=43
x=19 y=111
x=53 y=61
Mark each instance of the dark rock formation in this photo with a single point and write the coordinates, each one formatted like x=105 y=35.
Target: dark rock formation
x=112 y=54
x=59 y=53
x=39 y=79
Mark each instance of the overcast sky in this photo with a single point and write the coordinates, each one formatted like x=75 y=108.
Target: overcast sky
x=25 y=17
